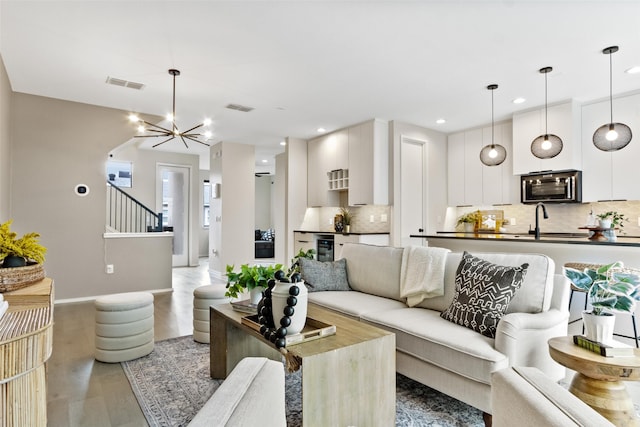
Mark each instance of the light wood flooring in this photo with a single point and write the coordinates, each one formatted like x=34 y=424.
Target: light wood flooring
x=84 y=392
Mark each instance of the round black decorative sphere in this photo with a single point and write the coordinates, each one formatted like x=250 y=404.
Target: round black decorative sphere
x=294 y=290
x=285 y=321
x=288 y=311
x=292 y=301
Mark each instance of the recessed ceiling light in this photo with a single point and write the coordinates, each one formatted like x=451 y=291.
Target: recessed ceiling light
x=633 y=70
x=283 y=142
x=441 y=121
x=320 y=130
x=264 y=160
x=519 y=100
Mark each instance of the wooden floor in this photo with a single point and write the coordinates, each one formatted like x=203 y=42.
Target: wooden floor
x=84 y=392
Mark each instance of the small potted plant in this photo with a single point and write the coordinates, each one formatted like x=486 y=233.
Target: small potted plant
x=17 y=252
x=470 y=221
x=346 y=219
x=612 y=219
x=609 y=288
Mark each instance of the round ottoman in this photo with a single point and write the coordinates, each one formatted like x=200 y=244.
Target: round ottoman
x=124 y=326
x=204 y=297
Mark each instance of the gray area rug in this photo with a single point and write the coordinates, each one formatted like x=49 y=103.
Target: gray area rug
x=173 y=383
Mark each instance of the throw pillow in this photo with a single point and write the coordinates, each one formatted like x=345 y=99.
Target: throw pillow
x=482 y=293
x=324 y=276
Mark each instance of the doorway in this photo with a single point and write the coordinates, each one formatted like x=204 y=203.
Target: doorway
x=413 y=173
x=173 y=197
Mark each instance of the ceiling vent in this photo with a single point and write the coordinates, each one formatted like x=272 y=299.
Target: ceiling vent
x=124 y=83
x=239 y=107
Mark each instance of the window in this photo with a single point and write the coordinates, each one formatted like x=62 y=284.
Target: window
x=119 y=173
x=206 y=192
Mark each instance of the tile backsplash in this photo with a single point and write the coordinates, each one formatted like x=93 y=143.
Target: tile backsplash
x=321 y=219
x=563 y=218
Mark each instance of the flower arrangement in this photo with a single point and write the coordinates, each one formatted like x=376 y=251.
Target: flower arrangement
x=609 y=288
x=470 y=218
x=15 y=252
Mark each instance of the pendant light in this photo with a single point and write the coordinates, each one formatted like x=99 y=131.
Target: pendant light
x=492 y=154
x=548 y=145
x=155 y=131
x=611 y=136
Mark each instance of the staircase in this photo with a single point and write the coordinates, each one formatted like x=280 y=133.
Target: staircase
x=125 y=214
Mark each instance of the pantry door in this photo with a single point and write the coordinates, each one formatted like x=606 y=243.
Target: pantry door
x=412 y=190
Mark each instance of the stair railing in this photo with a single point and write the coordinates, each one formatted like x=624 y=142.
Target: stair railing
x=128 y=215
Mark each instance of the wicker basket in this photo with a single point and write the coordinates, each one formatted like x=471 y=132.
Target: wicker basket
x=13 y=278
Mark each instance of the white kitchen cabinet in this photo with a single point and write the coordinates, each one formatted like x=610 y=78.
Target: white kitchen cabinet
x=611 y=175
x=472 y=183
x=563 y=121
x=303 y=241
x=321 y=159
x=368 y=163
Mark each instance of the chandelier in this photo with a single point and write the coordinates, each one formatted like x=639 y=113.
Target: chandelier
x=150 y=130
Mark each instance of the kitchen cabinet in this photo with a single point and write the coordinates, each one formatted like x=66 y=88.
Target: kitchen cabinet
x=610 y=175
x=472 y=183
x=321 y=159
x=303 y=241
x=563 y=121
x=368 y=163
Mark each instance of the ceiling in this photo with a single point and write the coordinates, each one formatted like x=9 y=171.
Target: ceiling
x=308 y=64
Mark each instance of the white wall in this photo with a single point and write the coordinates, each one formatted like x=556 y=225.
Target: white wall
x=5 y=144
x=295 y=190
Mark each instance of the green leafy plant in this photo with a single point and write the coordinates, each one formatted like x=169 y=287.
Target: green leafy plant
x=346 y=215
x=250 y=277
x=610 y=287
x=26 y=247
x=617 y=219
x=469 y=218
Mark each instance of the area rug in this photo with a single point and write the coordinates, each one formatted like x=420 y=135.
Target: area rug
x=173 y=383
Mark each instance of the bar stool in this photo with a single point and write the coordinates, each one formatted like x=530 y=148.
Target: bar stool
x=581 y=267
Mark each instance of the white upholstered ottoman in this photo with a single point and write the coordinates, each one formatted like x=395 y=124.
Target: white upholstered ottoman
x=124 y=326
x=204 y=297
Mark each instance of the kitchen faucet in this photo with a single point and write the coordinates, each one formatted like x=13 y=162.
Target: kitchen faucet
x=544 y=214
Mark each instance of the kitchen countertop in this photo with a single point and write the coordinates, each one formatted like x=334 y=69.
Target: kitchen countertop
x=566 y=238
x=340 y=232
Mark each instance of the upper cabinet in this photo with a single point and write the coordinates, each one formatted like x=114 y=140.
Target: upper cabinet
x=361 y=151
x=611 y=175
x=472 y=183
x=563 y=121
x=369 y=163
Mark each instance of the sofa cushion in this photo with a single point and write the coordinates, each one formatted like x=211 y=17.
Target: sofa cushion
x=353 y=304
x=534 y=296
x=441 y=343
x=324 y=276
x=483 y=293
x=374 y=269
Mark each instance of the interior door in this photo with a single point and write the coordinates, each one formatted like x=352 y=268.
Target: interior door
x=173 y=194
x=412 y=185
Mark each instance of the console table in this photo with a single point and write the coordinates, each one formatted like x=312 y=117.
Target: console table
x=26 y=337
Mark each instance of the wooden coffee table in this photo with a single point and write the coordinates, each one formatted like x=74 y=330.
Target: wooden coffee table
x=347 y=379
x=599 y=380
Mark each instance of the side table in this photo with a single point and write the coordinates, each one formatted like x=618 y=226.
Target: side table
x=599 y=380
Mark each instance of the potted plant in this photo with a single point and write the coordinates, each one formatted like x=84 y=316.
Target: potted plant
x=17 y=252
x=609 y=288
x=346 y=218
x=612 y=219
x=470 y=221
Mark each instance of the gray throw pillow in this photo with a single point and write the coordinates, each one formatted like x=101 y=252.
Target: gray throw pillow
x=324 y=276
x=482 y=294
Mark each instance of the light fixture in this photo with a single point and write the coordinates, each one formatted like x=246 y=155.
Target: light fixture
x=548 y=145
x=492 y=154
x=611 y=136
x=633 y=70
x=154 y=131
x=519 y=100
x=320 y=130
x=441 y=121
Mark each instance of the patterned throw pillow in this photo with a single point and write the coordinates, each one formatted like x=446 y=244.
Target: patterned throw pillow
x=483 y=292
x=324 y=276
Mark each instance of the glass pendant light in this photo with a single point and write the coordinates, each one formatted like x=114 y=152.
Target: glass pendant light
x=492 y=154
x=611 y=136
x=548 y=145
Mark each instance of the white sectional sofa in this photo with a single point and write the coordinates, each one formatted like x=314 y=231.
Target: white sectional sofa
x=443 y=355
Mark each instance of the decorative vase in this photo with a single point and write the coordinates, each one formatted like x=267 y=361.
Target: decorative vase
x=12 y=261
x=347 y=228
x=279 y=295
x=469 y=227
x=599 y=328
x=605 y=223
x=255 y=295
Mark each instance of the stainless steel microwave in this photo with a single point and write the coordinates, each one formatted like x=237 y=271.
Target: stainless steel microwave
x=551 y=187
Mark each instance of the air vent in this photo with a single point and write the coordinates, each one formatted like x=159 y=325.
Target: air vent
x=124 y=83
x=239 y=107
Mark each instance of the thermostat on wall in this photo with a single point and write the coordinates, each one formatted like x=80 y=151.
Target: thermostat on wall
x=82 y=190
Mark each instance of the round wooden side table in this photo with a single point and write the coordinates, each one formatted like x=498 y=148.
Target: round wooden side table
x=599 y=380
